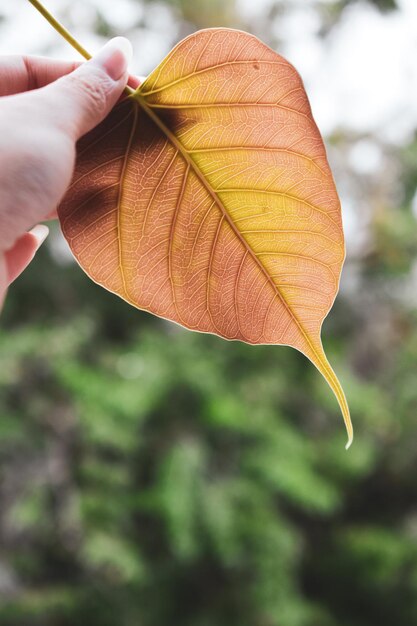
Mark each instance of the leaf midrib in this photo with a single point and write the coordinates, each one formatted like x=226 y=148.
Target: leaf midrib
x=141 y=101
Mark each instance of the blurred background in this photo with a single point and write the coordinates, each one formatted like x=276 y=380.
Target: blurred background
x=151 y=476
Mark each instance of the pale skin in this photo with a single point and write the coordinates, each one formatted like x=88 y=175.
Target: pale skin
x=45 y=107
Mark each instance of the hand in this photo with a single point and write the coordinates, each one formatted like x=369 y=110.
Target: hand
x=45 y=107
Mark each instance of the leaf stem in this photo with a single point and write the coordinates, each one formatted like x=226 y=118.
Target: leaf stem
x=67 y=36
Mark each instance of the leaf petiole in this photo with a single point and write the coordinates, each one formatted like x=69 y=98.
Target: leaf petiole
x=67 y=36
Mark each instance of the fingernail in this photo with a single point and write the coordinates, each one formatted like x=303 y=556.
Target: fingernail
x=40 y=232
x=114 y=57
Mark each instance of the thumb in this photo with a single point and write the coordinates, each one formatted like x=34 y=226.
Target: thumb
x=81 y=100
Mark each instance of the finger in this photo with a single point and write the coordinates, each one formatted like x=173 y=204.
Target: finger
x=81 y=100
x=53 y=215
x=135 y=81
x=23 y=73
x=23 y=251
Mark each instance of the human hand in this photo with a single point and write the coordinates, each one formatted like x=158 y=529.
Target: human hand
x=45 y=107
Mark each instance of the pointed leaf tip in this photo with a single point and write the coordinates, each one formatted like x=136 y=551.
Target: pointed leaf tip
x=349 y=432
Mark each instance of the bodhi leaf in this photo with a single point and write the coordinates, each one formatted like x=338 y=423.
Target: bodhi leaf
x=206 y=198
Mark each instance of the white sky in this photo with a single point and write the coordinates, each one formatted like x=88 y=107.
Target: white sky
x=363 y=76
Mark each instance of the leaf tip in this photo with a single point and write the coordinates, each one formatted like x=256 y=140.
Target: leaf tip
x=348 y=422
x=324 y=367
x=350 y=439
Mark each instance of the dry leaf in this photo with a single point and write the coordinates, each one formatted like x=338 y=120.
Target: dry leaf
x=206 y=198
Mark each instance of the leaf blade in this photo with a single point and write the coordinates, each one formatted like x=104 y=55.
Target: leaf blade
x=230 y=198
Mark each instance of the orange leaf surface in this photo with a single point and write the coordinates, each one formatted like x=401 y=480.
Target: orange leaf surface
x=206 y=198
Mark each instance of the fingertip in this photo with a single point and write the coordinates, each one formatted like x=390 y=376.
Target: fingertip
x=114 y=57
x=23 y=251
x=40 y=233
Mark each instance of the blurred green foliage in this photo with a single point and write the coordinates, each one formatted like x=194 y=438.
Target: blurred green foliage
x=152 y=476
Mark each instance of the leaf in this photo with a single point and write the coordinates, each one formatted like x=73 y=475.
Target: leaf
x=206 y=198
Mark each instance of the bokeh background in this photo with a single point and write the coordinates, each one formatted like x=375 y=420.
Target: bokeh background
x=151 y=476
